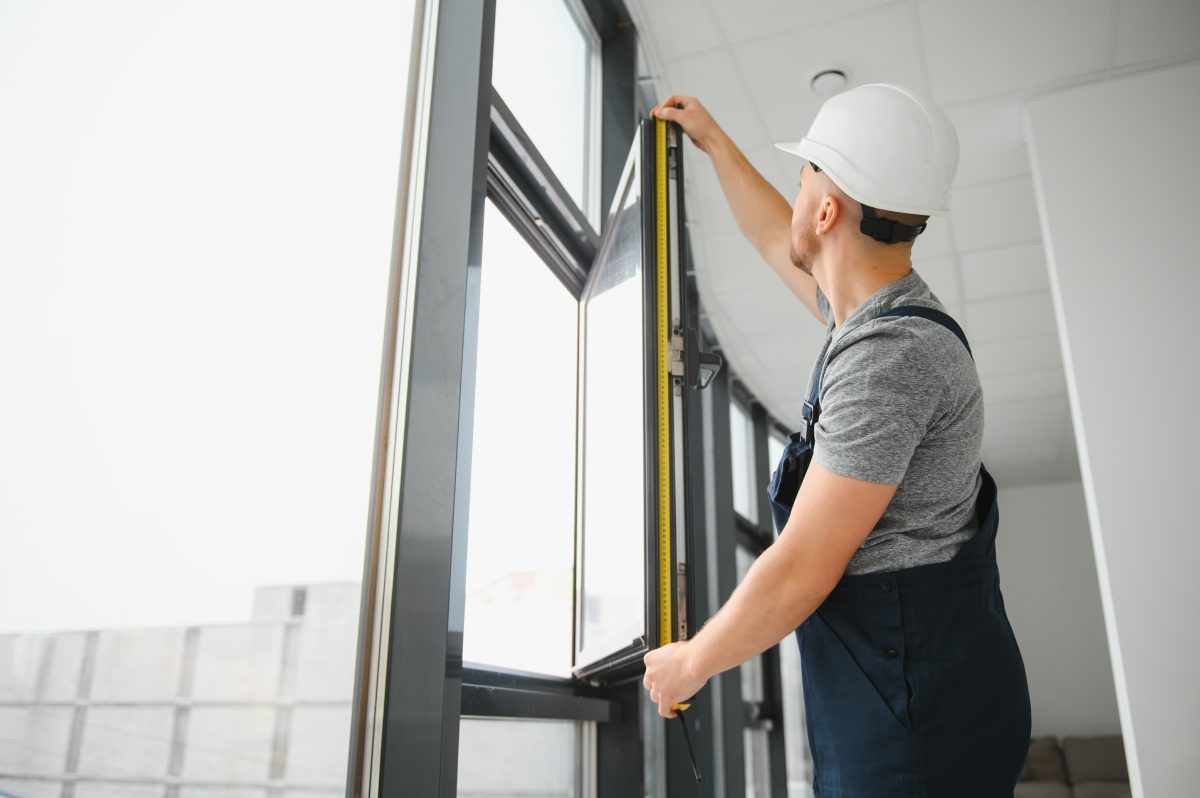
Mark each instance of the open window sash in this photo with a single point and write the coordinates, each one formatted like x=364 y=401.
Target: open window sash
x=638 y=353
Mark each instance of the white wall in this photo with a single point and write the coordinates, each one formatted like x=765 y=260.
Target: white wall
x=1117 y=174
x=1051 y=594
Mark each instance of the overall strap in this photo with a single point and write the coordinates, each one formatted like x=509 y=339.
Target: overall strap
x=811 y=410
x=932 y=314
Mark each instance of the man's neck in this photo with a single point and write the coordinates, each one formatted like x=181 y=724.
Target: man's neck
x=847 y=288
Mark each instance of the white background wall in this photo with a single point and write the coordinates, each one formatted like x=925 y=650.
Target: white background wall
x=1051 y=594
x=1117 y=173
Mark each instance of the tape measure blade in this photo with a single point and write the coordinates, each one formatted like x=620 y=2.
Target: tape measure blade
x=663 y=387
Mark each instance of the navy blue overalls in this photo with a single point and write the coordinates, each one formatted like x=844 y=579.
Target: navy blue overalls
x=913 y=681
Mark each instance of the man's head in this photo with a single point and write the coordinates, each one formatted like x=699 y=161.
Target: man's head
x=880 y=159
x=823 y=212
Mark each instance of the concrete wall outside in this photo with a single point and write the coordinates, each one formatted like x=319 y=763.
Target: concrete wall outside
x=253 y=710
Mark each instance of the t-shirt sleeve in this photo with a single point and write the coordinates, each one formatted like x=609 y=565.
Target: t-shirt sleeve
x=878 y=398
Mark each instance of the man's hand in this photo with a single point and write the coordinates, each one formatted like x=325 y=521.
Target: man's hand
x=693 y=117
x=671 y=676
x=763 y=215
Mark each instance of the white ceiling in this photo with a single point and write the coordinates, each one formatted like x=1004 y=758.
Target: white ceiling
x=750 y=61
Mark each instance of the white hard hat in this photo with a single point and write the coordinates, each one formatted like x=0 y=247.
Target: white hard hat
x=886 y=146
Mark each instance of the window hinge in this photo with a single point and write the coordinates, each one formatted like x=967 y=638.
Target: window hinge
x=681 y=599
x=685 y=361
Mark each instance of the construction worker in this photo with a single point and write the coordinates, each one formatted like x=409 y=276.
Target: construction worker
x=884 y=565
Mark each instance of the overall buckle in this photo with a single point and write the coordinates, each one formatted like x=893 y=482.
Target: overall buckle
x=807 y=422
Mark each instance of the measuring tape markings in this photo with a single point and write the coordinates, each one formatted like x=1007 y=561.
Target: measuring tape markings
x=664 y=420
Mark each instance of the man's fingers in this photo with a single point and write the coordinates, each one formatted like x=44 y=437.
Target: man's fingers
x=670 y=107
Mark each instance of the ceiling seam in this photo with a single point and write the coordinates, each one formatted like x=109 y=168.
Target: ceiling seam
x=1113 y=16
x=1027 y=398
x=1026 y=243
x=960 y=282
x=824 y=23
x=991 y=181
x=1023 y=94
x=736 y=68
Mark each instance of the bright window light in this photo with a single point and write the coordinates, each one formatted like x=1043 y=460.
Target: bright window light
x=197 y=209
x=521 y=538
x=552 y=88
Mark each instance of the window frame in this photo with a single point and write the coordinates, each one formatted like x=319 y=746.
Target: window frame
x=532 y=198
x=412 y=685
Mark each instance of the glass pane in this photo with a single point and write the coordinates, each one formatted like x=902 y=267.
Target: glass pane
x=775 y=446
x=503 y=758
x=197 y=209
x=757 y=752
x=613 y=461
x=521 y=539
x=740 y=447
x=751 y=669
x=795 y=732
x=547 y=86
x=758 y=763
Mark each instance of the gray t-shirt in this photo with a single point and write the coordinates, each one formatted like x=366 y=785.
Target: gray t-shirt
x=901 y=404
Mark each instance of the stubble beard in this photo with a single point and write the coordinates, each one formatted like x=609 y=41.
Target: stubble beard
x=798 y=260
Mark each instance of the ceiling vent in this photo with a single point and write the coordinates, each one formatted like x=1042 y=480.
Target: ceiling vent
x=828 y=82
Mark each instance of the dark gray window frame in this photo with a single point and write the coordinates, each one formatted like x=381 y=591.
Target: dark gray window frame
x=425 y=688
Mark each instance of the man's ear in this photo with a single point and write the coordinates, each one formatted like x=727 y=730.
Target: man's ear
x=830 y=212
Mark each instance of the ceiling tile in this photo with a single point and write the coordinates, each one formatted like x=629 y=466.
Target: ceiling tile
x=1023 y=385
x=1011 y=317
x=707 y=204
x=1023 y=465
x=995 y=215
x=1005 y=271
x=1000 y=456
x=733 y=347
x=790 y=166
x=991 y=141
x=731 y=264
x=875 y=46
x=680 y=27
x=941 y=275
x=1021 y=473
x=712 y=79
x=1035 y=353
x=763 y=159
x=1149 y=30
x=749 y=19
x=1028 y=423
x=935 y=241
x=705 y=200
x=777 y=311
x=978 y=49
x=790 y=363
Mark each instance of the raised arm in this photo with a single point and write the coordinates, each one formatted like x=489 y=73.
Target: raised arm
x=762 y=213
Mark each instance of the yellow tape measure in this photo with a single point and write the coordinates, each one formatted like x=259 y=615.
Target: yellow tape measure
x=664 y=387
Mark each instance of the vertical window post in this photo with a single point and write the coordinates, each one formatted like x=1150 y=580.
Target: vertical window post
x=421 y=676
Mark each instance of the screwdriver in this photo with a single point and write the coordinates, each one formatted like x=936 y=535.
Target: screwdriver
x=678 y=710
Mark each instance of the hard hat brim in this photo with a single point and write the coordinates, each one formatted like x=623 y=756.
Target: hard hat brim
x=803 y=150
